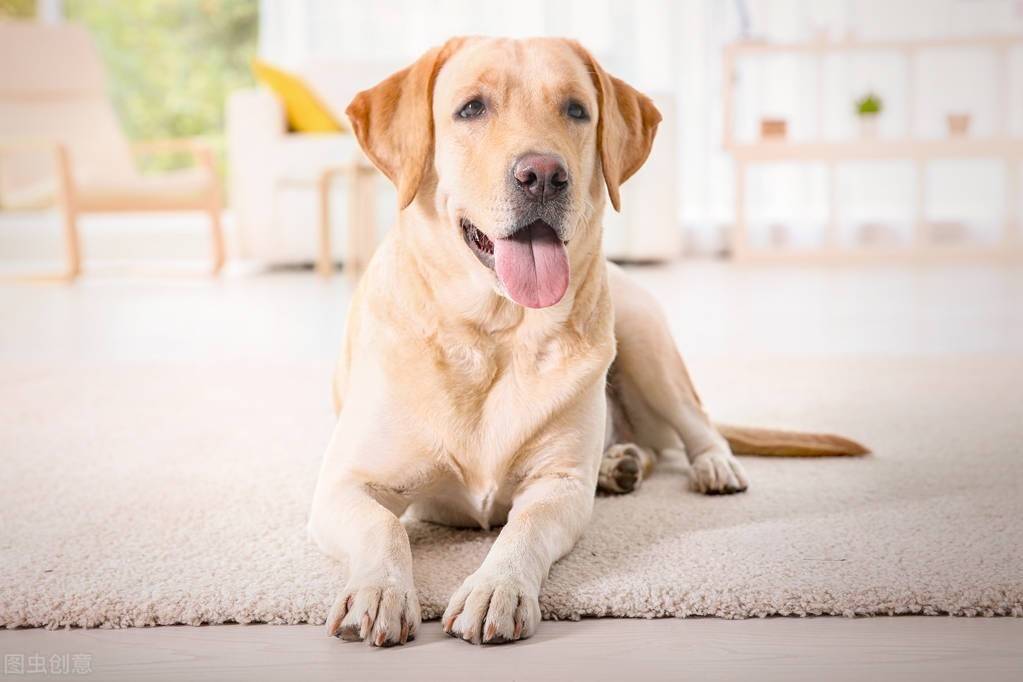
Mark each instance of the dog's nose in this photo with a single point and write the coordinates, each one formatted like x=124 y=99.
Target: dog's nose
x=540 y=176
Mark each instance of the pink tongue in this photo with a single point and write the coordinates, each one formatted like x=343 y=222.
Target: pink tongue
x=533 y=266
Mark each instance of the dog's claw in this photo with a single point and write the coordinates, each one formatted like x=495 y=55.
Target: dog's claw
x=364 y=629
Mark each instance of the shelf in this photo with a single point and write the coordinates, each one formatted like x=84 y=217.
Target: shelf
x=924 y=253
x=762 y=48
x=784 y=150
x=1001 y=145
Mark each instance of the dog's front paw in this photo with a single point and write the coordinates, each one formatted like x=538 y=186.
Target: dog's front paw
x=492 y=610
x=380 y=614
x=717 y=472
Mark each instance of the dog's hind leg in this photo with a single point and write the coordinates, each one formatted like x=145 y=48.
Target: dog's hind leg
x=625 y=464
x=657 y=396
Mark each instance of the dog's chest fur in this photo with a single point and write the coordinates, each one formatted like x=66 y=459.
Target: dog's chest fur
x=497 y=389
x=492 y=396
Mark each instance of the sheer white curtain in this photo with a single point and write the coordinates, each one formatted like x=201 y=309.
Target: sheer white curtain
x=676 y=47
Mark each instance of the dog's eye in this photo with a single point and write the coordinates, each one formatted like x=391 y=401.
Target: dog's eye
x=471 y=109
x=577 y=111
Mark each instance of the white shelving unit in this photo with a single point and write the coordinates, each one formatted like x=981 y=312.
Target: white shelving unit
x=1008 y=246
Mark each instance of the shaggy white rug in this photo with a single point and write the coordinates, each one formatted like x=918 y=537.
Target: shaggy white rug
x=140 y=495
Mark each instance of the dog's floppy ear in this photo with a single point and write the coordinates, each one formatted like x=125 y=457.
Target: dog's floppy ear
x=626 y=125
x=393 y=121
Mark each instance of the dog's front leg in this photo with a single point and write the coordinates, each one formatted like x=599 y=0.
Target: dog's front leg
x=500 y=601
x=379 y=603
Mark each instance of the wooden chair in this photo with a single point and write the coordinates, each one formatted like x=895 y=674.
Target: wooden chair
x=61 y=144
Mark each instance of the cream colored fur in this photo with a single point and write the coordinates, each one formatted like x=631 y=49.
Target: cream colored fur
x=456 y=404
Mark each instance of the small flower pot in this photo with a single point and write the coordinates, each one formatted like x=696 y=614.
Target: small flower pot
x=876 y=234
x=958 y=125
x=773 y=128
x=947 y=232
x=777 y=235
x=868 y=126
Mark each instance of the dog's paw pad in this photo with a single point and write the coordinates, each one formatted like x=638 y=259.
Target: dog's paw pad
x=621 y=470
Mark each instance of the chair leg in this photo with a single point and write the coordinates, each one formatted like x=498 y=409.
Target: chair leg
x=217 y=234
x=324 y=263
x=72 y=245
x=368 y=177
x=353 y=257
x=361 y=220
x=67 y=204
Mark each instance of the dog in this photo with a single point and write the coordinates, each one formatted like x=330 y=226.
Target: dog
x=496 y=370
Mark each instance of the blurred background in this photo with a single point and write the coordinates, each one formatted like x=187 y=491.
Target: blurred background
x=795 y=131
x=830 y=219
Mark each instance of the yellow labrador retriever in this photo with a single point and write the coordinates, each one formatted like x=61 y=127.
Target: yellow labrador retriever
x=495 y=369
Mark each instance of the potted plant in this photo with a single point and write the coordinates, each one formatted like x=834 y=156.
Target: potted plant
x=773 y=128
x=868 y=108
x=958 y=124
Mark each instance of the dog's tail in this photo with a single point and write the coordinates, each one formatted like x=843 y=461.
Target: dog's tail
x=771 y=442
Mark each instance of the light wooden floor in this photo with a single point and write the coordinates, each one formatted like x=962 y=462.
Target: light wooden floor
x=712 y=309
x=904 y=648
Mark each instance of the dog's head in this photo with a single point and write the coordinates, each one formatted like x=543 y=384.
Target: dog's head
x=511 y=143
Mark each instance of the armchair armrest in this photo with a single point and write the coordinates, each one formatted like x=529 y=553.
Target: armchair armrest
x=27 y=144
x=61 y=160
x=180 y=144
x=255 y=112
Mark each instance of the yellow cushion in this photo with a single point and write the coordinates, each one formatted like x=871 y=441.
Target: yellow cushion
x=304 y=111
